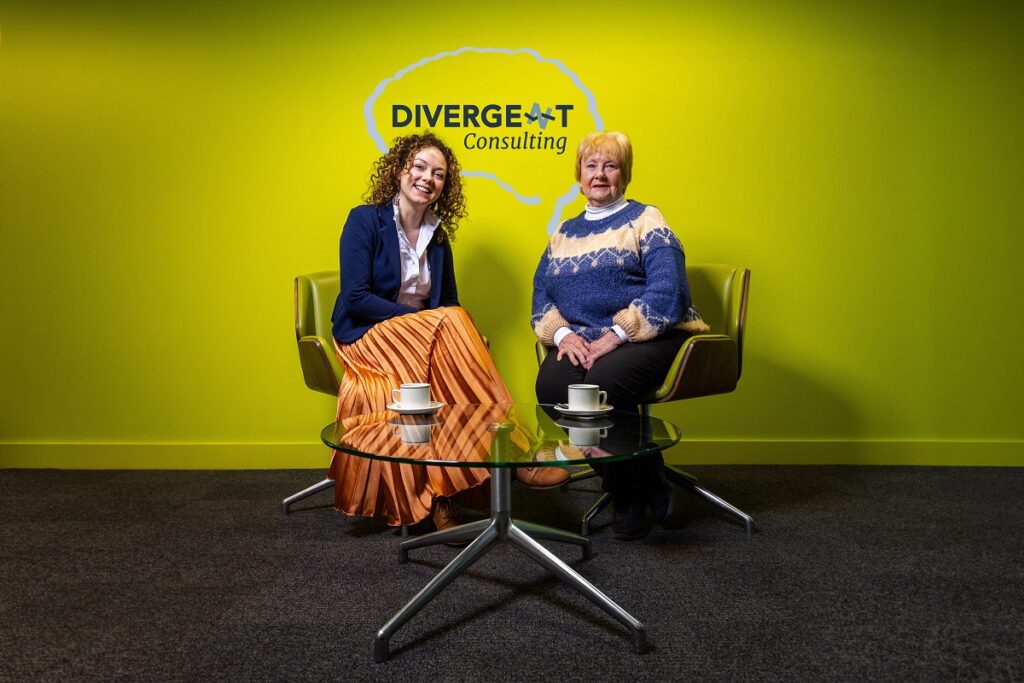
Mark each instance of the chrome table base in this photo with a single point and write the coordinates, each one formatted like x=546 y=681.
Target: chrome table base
x=486 y=534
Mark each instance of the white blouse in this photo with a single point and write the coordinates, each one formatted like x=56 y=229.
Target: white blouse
x=415 y=288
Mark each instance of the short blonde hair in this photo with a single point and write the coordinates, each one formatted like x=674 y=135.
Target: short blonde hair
x=614 y=144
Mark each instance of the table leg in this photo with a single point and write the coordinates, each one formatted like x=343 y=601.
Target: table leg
x=501 y=527
x=459 y=534
x=461 y=563
x=546 y=558
x=547 y=533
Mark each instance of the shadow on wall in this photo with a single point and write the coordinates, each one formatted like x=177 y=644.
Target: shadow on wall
x=791 y=404
x=781 y=415
x=772 y=403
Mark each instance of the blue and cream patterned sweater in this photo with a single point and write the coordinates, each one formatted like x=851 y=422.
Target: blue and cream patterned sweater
x=626 y=269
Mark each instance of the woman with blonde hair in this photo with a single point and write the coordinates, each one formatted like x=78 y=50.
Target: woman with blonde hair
x=397 y=320
x=610 y=292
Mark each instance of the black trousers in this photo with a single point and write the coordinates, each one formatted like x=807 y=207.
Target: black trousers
x=628 y=373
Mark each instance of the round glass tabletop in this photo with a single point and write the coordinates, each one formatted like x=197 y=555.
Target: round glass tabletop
x=500 y=435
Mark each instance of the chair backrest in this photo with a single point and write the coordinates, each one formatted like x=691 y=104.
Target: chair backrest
x=315 y=295
x=719 y=291
x=707 y=364
x=710 y=363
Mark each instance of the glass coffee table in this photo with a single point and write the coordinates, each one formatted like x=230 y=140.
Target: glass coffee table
x=500 y=437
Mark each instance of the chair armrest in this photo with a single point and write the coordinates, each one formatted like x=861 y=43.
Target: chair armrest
x=542 y=351
x=706 y=364
x=320 y=366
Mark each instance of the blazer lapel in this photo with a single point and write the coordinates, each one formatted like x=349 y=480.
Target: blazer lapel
x=435 y=257
x=389 y=238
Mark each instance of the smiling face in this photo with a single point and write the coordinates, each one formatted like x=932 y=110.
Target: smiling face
x=600 y=179
x=604 y=166
x=423 y=178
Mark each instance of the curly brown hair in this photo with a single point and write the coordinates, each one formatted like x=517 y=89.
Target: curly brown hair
x=385 y=176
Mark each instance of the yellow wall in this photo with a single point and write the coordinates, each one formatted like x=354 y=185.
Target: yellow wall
x=165 y=172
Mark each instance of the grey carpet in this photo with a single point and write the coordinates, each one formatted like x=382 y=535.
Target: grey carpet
x=877 y=573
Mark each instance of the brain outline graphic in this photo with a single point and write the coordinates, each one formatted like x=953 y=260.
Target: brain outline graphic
x=378 y=139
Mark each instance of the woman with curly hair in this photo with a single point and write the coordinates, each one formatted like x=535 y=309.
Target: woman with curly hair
x=397 y=320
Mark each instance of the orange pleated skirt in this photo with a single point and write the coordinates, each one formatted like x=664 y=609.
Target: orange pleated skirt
x=443 y=347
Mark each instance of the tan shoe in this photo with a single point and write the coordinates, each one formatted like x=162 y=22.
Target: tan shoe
x=444 y=514
x=542 y=477
x=445 y=517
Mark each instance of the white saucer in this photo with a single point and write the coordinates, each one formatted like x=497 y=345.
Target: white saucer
x=583 y=414
x=429 y=409
x=583 y=423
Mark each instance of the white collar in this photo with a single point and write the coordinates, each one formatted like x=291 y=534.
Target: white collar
x=430 y=219
x=595 y=213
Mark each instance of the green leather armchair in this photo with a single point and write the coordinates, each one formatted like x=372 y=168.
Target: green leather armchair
x=707 y=364
x=314 y=302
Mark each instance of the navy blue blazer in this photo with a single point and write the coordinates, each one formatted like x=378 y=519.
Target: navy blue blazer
x=371 y=273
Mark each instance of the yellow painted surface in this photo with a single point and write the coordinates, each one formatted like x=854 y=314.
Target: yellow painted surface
x=167 y=169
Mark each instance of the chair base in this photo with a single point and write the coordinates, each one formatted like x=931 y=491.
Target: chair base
x=687 y=481
x=683 y=480
x=305 y=493
x=286 y=504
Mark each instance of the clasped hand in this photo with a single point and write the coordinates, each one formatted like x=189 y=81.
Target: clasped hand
x=581 y=352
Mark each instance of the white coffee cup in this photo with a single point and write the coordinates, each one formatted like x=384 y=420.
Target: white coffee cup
x=586 y=436
x=586 y=397
x=413 y=433
x=412 y=396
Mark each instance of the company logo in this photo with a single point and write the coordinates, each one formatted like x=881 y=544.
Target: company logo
x=490 y=116
x=513 y=117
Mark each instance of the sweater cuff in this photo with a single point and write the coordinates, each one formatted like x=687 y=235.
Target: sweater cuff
x=695 y=326
x=548 y=324
x=634 y=324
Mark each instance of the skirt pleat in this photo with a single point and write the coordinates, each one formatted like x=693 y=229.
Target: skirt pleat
x=440 y=346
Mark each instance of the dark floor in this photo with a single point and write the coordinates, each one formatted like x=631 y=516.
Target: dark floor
x=880 y=573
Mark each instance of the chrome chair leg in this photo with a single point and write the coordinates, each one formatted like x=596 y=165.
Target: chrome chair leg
x=317 y=488
x=595 y=509
x=690 y=483
x=575 y=477
x=685 y=481
x=305 y=493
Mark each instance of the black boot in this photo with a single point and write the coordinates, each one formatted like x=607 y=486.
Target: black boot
x=659 y=496
x=629 y=522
